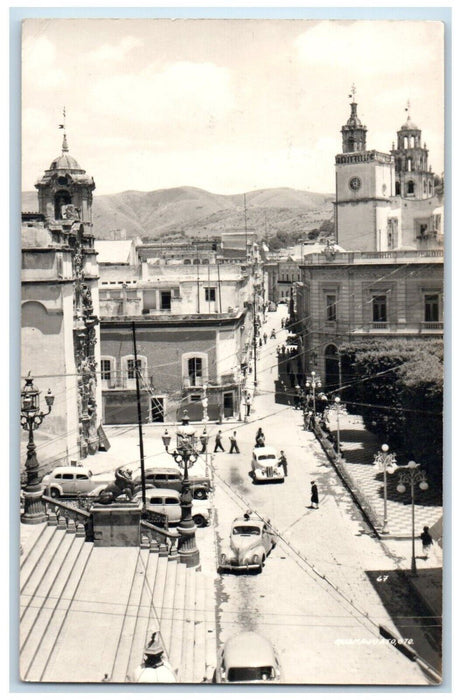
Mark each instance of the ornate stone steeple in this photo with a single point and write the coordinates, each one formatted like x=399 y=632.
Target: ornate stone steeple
x=413 y=176
x=354 y=132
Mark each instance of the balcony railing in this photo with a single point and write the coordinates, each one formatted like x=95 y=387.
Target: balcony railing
x=380 y=325
x=432 y=325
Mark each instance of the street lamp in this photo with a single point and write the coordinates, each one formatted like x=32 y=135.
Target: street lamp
x=31 y=419
x=311 y=385
x=166 y=439
x=184 y=455
x=412 y=477
x=385 y=460
x=338 y=434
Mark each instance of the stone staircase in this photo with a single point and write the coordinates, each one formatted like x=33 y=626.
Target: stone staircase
x=86 y=613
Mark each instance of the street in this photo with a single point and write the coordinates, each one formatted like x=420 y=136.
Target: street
x=318 y=630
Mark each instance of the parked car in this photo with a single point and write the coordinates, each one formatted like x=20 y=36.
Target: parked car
x=251 y=540
x=167 y=502
x=73 y=481
x=265 y=465
x=247 y=658
x=171 y=478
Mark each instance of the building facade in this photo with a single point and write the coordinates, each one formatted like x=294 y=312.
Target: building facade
x=60 y=309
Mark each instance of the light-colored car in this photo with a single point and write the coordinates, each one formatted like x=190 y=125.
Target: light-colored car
x=265 y=465
x=251 y=540
x=247 y=658
x=167 y=502
x=171 y=478
x=73 y=481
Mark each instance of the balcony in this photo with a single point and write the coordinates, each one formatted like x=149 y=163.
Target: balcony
x=431 y=326
x=380 y=325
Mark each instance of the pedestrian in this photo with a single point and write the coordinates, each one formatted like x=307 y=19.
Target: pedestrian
x=314 y=495
x=218 y=442
x=283 y=323
x=427 y=541
x=283 y=463
x=260 y=342
x=248 y=403
x=233 y=443
x=265 y=338
x=260 y=439
x=204 y=440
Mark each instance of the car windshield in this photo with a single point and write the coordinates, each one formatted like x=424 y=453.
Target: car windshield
x=246 y=530
x=262 y=457
x=243 y=675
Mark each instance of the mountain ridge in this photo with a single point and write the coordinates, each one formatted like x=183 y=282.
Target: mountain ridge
x=191 y=211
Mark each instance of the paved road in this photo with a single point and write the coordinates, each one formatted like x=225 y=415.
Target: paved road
x=319 y=636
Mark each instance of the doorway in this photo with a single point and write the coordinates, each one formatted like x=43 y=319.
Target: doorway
x=228 y=404
x=157 y=409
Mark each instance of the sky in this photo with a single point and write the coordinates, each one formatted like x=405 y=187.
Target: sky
x=229 y=106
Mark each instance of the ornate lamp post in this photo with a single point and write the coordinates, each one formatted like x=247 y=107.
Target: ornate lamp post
x=385 y=460
x=412 y=477
x=184 y=455
x=31 y=419
x=311 y=385
x=166 y=439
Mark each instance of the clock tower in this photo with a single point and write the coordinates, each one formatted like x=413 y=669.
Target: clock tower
x=365 y=182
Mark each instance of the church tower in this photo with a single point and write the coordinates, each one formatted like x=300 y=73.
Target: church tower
x=414 y=179
x=365 y=182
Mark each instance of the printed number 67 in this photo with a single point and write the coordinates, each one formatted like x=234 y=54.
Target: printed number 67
x=382 y=577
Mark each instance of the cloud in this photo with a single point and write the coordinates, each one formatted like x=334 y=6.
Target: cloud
x=371 y=47
x=39 y=68
x=114 y=53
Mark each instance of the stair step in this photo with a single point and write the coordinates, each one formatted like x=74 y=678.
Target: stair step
x=41 y=569
x=153 y=622
x=119 y=669
x=210 y=628
x=33 y=604
x=199 y=669
x=46 y=644
x=178 y=618
x=35 y=555
x=98 y=605
x=30 y=641
x=29 y=537
x=166 y=614
x=187 y=653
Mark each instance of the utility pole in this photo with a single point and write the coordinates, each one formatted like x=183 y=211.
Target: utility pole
x=246 y=231
x=198 y=278
x=138 y=400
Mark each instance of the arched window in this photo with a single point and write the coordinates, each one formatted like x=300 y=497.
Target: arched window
x=410 y=187
x=405 y=141
x=186 y=261
x=409 y=165
x=196 y=261
x=61 y=198
x=397 y=188
x=430 y=187
x=128 y=367
x=424 y=186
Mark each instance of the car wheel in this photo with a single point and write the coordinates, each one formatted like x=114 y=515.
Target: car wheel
x=200 y=494
x=54 y=493
x=199 y=520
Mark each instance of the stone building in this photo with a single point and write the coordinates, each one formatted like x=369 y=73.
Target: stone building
x=60 y=309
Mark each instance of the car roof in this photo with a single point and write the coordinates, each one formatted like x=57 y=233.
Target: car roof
x=263 y=450
x=248 y=650
x=251 y=521
x=160 y=492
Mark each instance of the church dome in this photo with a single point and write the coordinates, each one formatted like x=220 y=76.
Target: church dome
x=409 y=125
x=64 y=162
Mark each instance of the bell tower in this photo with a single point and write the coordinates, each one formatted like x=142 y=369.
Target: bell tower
x=354 y=132
x=414 y=179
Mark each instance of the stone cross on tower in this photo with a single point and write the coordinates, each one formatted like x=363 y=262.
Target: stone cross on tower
x=353 y=92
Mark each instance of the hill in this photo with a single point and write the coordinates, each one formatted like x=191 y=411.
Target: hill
x=191 y=211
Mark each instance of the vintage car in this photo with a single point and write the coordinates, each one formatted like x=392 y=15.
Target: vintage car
x=265 y=465
x=247 y=658
x=73 y=481
x=251 y=540
x=171 y=478
x=167 y=502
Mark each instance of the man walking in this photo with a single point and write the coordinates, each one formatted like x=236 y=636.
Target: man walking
x=204 y=440
x=283 y=463
x=427 y=541
x=233 y=443
x=218 y=443
x=314 y=495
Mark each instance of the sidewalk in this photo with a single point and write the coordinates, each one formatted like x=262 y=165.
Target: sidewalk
x=359 y=447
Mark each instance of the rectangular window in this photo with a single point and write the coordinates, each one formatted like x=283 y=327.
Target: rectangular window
x=106 y=370
x=431 y=308
x=130 y=366
x=379 y=303
x=210 y=293
x=195 y=370
x=165 y=300
x=331 y=307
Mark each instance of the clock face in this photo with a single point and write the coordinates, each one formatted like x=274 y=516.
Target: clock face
x=355 y=183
